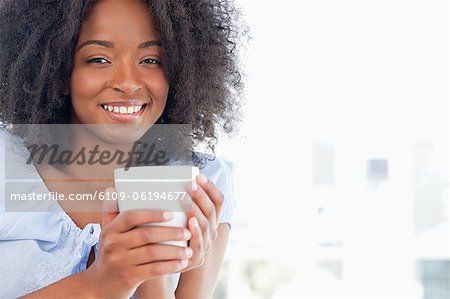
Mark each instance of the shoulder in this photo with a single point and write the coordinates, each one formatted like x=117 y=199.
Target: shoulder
x=218 y=170
x=16 y=170
x=17 y=223
x=214 y=166
x=12 y=148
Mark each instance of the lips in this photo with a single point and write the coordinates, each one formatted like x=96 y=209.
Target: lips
x=124 y=111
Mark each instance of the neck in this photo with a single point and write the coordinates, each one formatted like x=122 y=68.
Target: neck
x=96 y=158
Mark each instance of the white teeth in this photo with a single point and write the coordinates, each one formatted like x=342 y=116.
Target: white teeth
x=122 y=109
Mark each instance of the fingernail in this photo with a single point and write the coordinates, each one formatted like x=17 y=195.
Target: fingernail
x=167 y=215
x=202 y=178
x=194 y=186
x=187 y=234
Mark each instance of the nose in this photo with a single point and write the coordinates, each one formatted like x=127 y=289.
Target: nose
x=126 y=78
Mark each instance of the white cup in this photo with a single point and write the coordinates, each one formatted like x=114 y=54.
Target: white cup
x=156 y=187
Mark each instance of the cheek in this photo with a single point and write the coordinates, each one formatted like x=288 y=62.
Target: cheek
x=84 y=85
x=159 y=87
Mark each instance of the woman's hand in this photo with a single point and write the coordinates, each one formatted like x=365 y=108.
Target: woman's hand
x=129 y=255
x=203 y=219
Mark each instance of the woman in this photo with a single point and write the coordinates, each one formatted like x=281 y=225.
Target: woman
x=89 y=62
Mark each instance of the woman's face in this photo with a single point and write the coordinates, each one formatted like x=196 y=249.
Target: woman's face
x=117 y=75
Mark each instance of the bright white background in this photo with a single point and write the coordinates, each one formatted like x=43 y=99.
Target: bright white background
x=331 y=85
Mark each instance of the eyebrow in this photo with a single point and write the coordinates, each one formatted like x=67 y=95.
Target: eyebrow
x=107 y=44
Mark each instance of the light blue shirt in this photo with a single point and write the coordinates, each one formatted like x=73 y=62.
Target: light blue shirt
x=40 y=248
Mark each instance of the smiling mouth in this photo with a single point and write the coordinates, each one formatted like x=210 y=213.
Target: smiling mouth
x=124 y=110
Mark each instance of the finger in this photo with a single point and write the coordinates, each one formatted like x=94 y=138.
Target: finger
x=208 y=225
x=196 y=243
x=186 y=204
x=202 y=221
x=205 y=204
x=148 y=271
x=144 y=235
x=158 y=253
x=130 y=219
x=110 y=208
x=212 y=191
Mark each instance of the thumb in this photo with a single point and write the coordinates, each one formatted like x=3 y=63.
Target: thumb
x=110 y=208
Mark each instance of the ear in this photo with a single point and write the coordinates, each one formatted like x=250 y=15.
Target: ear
x=65 y=89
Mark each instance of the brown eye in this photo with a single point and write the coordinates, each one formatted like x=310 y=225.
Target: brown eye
x=97 y=60
x=151 y=61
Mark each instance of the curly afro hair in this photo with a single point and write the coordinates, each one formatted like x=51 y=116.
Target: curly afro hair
x=199 y=38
